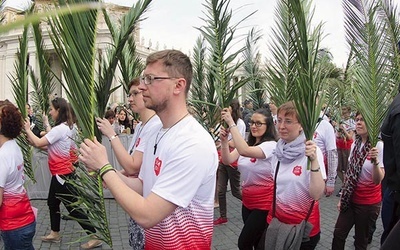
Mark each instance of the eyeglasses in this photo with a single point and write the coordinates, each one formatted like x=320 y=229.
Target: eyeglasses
x=287 y=122
x=148 y=79
x=258 y=124
x=134 y=93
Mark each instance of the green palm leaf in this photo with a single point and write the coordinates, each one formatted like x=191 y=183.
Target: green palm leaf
x=309 y=69
x=367 y=33
x=221 y=62
x=255 y=87
x=281 y=69
x=114 y=54
x=19 y=82
x=74 y=40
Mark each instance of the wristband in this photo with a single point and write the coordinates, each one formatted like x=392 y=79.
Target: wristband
x=231 y=126
x=377 y=163
x=113 y=137
x=104 y=169
x=315 y=170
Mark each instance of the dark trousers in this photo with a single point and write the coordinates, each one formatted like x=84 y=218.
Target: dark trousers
x=362 y=216
x=58 y=190
x=392 y=241
x=253 y=228
x=389 y=213
x=226 y=173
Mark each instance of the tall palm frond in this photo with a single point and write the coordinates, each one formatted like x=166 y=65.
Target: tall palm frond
x=131 y=64
x=43 y=83
x=309 y=67
x=114 y=54
x=281 y=72
x=255 y=86
x=367 y=33
x=37 y=17
x=391 y=13
x=77 y=57
x=19 y=82
x=1 y=8
x=221 y=64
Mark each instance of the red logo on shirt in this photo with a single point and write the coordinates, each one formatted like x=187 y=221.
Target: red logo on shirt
x=137 y=143
x=157 y=166
x=297 y=170
x=253 y=160
x=315 y=135
x=368 y=157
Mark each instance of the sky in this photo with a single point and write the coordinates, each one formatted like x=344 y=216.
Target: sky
x=173 y=23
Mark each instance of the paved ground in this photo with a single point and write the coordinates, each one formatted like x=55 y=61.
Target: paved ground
x=225 y=236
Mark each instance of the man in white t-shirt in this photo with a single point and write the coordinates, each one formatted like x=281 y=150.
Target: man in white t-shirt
x=174 y=198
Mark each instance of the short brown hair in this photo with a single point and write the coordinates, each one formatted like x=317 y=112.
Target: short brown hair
x=10 y=120
x=289 y=109
x=176 y=64
x=134 y=82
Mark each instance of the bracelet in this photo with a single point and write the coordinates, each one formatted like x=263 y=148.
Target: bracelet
x=113 y=137
x=231 y=126
x=315 y=170
x=104 y=169
x=377 y=163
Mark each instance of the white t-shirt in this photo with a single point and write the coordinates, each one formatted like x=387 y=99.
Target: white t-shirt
x=183 y=171
x=241 y=128
x=142 y=133
x=293 y=199
x=256 y=178
x=324 y=137
x=12 y=168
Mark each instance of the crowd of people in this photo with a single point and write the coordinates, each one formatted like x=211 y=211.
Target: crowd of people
x=172 y=169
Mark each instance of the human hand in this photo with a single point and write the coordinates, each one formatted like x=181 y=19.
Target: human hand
x=373 y=154
x=329 y=191
x=223 y=134
x=105 y=127
x=338 y=206
x=45 y=119
x=227 y=117
x=27 y=124
x=93 y=154
x=311 y=150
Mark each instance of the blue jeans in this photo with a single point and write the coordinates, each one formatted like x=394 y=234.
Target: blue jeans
x=19 y=239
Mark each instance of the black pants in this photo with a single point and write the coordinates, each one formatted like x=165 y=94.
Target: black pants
x=253 y=228
x=56 y=189
x=226 y=173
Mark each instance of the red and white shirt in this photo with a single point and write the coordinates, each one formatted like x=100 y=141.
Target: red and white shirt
x=367 y=192
x=16 y=210
x=59 y=149
x=293 y=200
x=182 y=171
x=256 y=178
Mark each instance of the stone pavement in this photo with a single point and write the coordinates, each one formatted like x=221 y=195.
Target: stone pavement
x=225 y=236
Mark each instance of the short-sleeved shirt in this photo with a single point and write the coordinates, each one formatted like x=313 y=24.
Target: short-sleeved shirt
x=324 y=137
x=182 y=171
x=16 y=210
x=367 y=192
x=256 y=178
x=293 y=200
x=142 y=133
x=59 y=149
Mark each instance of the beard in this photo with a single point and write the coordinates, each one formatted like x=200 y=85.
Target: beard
x=157 y=107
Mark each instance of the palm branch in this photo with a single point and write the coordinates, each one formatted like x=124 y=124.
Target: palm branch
x=19 y=82
x=309 y=70
x=367 y=33
x=37 y=17
x=255 y=86
x=220 y=67
x=280 y=71
x=114 y=54
x=43 y=83
x=77 y=58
